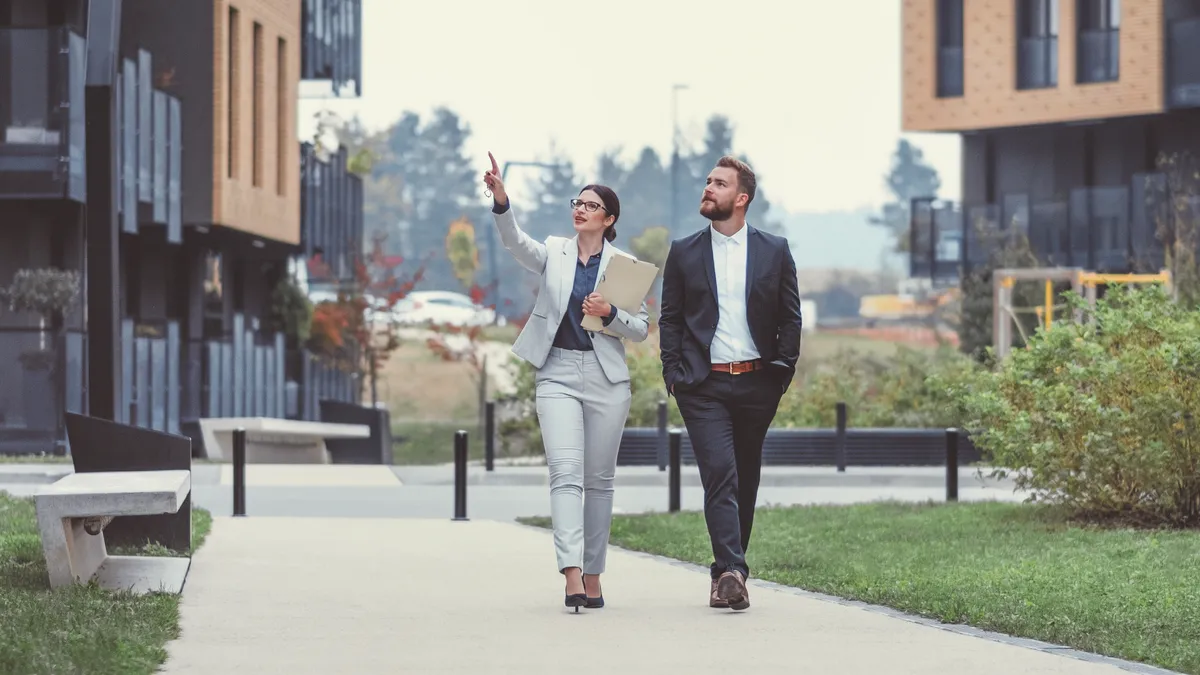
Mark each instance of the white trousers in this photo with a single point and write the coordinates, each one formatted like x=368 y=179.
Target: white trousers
x=582 y=417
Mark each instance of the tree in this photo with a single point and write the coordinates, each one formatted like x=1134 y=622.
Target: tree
x=1173 y=198
x=645 y=193
x=909 y=178
x=462 y=252
x=420 y=182
x=357 y=332
x=975 y=313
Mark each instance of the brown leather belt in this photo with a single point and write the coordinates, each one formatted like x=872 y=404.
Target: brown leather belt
x=738 y=367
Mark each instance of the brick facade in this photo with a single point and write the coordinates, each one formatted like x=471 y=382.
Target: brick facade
x=990 y=95
x=272 y=208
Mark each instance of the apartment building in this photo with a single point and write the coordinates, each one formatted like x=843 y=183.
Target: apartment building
x=182 y=219
x=1064 y=108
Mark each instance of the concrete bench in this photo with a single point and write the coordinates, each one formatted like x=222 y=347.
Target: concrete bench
x=275 y=441
x=73 y=511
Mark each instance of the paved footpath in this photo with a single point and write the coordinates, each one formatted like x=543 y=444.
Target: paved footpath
x=378 y=595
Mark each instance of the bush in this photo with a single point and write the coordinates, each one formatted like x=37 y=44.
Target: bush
x=1100 y=416
x=910 y=389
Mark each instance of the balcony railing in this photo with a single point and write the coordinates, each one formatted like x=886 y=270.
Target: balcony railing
x=1108 y=228
x=331 y=211
x=950 y=71
x=1099 y=56
x=42 y=132
x=1037 y=62
x=1183 y=63
x=332 y=47
x=150 y=151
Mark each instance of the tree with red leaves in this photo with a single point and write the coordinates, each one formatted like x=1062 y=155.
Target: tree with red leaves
x=357 y=332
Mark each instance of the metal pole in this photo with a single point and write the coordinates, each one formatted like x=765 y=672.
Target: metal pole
x=673 y=484
x=239 y=472
x=952 y=465
x=489 y=440
x=460 y=475
x=840 y=442
x=662 y=436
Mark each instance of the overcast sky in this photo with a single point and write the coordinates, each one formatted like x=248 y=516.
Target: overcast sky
x=813 y=87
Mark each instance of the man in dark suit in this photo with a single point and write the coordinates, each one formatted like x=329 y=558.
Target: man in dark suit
x=729 y=334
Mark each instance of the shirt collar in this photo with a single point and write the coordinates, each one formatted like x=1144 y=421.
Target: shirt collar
x=738 y=237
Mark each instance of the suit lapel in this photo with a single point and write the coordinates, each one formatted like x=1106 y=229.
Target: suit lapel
x=753 y=255
x=706 y=252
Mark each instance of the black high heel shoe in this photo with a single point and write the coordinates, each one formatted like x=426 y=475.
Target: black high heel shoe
x=593 y=603
x=577 y=600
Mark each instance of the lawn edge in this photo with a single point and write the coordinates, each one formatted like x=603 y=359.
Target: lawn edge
x=960 y=629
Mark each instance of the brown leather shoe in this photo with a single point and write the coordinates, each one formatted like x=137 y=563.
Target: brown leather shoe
x=731 y=587
x=713 y=600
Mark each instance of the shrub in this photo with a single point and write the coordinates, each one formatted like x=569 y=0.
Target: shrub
x=1100 y=416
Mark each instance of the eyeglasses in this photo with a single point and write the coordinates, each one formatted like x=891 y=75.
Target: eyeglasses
x=590 y=207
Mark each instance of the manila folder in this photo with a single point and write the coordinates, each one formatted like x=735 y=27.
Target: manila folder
x=625 y=284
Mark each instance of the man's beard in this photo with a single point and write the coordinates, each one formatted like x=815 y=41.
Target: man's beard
x=714 y=211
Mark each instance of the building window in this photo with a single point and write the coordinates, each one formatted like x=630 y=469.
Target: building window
x=949 y=48
x=281 y=117
x=256 y=103
x=232 y=98
x=1037 y=44
x=1098 y=50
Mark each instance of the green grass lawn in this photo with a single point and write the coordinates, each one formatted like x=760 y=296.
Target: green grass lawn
x=79 y=629
x=419 y=442
x=1011 y=568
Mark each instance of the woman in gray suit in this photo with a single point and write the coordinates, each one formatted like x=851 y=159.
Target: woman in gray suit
x=582 y=379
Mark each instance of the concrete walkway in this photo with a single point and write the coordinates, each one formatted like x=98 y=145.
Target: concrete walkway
x=320 y=595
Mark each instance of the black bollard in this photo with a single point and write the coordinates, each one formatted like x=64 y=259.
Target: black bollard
x=239 y=472
x=662 y=436
x=673 y=481
x=489 y=438
x=952 y=465
x=839 y=449
x=460 y=475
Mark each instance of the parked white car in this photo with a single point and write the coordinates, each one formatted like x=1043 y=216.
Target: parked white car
x=442 y=308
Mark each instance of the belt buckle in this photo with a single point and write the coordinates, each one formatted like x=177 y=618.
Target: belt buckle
x=730 y=364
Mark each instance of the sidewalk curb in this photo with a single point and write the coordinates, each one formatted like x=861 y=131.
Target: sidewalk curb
x=961 y=629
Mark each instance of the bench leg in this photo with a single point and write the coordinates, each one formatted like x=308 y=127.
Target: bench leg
x=72 y=555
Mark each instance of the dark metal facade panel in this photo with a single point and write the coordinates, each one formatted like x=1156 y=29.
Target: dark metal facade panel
x=145 y=120
x=159 y=158
x=331 y=48
x=174 y=171
x=128 y=146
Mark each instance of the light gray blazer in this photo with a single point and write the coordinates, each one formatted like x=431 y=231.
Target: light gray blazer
x=554 y=260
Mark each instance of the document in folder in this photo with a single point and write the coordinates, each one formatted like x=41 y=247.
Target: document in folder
x=625 y=284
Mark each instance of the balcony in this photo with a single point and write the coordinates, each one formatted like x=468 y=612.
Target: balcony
x=150 y=151
x=1099 y=56
x=331 y=212
x=42 y=146
x=1183 y=63
x=950 y=72
x=331 y=50
x=1106 y=228
x=1037 y=62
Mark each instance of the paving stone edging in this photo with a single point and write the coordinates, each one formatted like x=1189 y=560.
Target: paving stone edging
x=961 y=629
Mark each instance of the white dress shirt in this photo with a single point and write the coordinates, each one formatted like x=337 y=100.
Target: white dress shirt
x=732 y=341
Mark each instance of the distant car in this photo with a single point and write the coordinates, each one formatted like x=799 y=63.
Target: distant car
x=442 y=308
